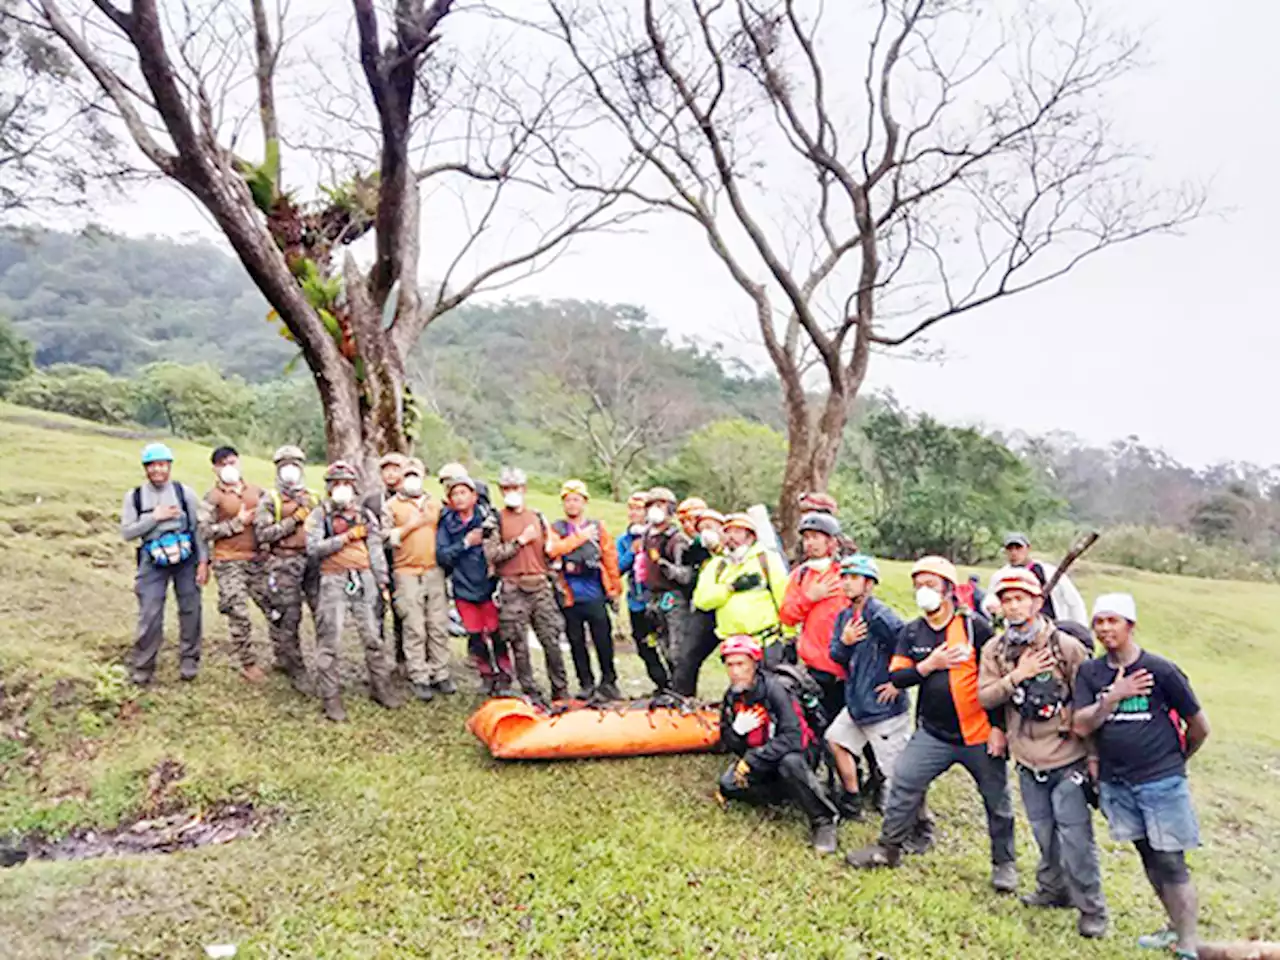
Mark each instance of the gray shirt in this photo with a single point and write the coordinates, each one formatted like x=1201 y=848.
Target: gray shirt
x=135 y=525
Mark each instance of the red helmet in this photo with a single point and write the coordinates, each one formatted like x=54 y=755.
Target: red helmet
x=743 y=644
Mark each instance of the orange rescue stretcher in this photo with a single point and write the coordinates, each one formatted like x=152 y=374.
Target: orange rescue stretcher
x=514 y=729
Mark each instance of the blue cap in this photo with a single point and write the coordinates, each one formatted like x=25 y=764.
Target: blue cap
x=156 y=453
x=860 y=564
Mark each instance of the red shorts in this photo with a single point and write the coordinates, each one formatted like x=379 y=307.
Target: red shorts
x=478 y=617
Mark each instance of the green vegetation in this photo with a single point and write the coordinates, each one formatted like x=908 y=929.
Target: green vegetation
x=398 y=837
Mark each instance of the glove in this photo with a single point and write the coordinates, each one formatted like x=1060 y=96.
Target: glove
x=301 y=514
x=358 y=532
x=741 y=770
x=748 y=581
x=745 y=722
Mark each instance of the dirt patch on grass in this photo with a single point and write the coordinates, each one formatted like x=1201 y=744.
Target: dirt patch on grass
x=221 y=823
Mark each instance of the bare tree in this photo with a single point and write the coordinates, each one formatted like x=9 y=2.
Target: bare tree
x=179 y=80
x=866 y=174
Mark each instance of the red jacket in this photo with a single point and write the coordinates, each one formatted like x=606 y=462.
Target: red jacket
x=817 y=619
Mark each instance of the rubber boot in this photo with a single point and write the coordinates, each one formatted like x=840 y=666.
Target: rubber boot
x=333 y=710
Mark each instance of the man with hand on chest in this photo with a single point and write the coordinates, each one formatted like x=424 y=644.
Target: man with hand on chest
x=226 y=524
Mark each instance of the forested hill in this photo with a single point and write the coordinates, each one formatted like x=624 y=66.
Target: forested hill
x=105 y=301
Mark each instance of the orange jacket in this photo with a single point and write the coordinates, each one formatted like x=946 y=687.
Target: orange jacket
x=817 y=619
x=610 y=577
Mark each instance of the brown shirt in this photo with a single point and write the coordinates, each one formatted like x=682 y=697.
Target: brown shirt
x=412 y=551
x=231 y=538
x=529 y=559
x=1039 y=744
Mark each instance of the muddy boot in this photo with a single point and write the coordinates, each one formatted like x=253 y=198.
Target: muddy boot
x=445 y=686
x=383 y=694
x=253 y=674
x=1004 y=877
x=333 y=710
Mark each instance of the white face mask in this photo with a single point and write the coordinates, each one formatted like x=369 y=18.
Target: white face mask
x=513 y=499
x=290 y=474
x=412 y=485
x=711 y=539
x=822 y=564
x=343 y=494
x=928 y=599
x=230 y=474
x=738 y=554
x=656 y=515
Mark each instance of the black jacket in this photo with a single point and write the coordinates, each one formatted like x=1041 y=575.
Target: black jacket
x=466 y=565
x=785 y=731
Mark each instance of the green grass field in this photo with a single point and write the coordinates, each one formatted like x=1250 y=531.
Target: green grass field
x=397 y=836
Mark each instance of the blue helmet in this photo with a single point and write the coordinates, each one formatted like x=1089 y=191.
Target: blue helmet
x=860 y=564
x=155 y=453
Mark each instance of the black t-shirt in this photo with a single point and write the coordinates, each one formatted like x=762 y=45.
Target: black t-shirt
x=1141 y=741
x=947 y=706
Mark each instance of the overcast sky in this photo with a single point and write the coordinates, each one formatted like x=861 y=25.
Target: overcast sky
x=1174 y=339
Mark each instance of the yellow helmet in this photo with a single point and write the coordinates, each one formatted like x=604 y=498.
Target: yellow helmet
x=938 y=566
x=574 y=486
x=742 y=521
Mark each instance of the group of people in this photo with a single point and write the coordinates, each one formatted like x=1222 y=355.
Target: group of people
x=819 y=668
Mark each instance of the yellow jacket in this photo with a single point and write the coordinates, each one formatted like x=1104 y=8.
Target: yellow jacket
x=752 y=611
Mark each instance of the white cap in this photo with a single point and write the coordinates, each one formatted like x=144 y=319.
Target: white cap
x=1116 y=604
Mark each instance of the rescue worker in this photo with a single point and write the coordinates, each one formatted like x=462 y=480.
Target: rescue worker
x=518 y=548
x=745 y=587
x=665 y=576
x=239 y=566
x=630 y=546
x=163 y=517
x=391 y=472
x=687 y=515
x=761 y=722
x=1147 y=723
x=460 y=550
x=590 y=582
x=939 y=653
x=280 y=526
x=700 y=637
x=874 y=713
x=410 y=521
x=343 y=537
x=814 y=502
x=1065 y=603
x=1028 y=672
x=812 y=601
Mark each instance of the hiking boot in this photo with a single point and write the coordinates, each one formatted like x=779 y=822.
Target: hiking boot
x=921 y=840
x=189 y=670
x=869 y=858
x=424 y=692
x=559 y=693
x=445 y=686
x=823 y=837
x=1164 y=939
x=253 y=674
x=585 y=693
x=1092 y=925
x=333 y=710
x=1045 y=899
x=609 y=691
x=141 y=679
x=299 y=680
x=850 y=807
x=1004 y=877
x=384 y=695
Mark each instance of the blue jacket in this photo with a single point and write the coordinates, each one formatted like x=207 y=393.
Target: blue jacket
x=868 y=662
x=637 y=596
x=466 y=565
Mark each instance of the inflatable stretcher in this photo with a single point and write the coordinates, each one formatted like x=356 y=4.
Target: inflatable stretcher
x=514 y=729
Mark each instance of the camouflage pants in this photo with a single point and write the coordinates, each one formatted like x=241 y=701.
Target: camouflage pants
x=336 y=601
x=518 y=612
x=423 y=606
x=240 y=581
x=290 y=580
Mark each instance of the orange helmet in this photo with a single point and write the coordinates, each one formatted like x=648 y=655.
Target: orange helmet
x=690 y=506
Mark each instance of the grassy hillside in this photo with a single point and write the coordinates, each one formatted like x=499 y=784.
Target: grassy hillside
x=396 y=836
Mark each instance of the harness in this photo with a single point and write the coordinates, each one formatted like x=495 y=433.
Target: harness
x=1041 y=699
x=172 y=548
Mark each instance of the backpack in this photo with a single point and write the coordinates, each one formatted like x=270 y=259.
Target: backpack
x=1040 y=698
x=172 y=548
x=805 y=691
x=585 y=558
